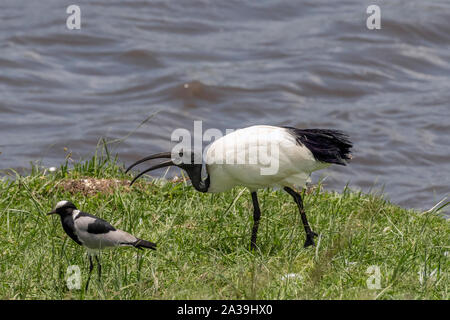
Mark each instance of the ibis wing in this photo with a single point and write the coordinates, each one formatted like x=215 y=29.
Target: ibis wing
x=329 y=146
x=258 y=157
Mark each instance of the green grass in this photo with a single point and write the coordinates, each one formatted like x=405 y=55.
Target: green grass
x=203 y=242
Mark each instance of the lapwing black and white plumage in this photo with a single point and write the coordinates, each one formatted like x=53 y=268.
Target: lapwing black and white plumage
x=298 y=152
x=93 y=233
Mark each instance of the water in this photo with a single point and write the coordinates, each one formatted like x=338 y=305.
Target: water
x=233 y=64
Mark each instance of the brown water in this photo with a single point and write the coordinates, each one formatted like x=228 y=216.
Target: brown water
x=233 y=64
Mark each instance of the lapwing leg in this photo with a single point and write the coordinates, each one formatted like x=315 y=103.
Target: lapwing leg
x=99 y=267
x=91 y=267
x=309 y=233
x=256 y=217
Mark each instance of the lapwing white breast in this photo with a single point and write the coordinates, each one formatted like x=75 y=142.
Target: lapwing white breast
x=259 y=157
x=93 y=233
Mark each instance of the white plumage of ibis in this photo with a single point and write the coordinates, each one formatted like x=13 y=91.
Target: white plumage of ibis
x=235 y=160
x=94 y=234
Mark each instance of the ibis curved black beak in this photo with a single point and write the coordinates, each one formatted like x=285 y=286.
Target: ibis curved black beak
x=163 y=155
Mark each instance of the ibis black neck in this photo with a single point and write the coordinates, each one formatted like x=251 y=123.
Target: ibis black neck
x=194 y=172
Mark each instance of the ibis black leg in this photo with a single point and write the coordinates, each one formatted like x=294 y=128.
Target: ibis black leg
x=99 y=267
x=309 y=233
x=256 y=216
x=91 y=267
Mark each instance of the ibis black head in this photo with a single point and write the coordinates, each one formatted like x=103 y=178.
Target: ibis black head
x=189 y=161
x=63 y=207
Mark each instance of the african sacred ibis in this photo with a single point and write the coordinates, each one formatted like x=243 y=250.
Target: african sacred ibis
x=94 y=233
x=289 y=156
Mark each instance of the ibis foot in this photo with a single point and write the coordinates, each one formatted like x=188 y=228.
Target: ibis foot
x=310 y=239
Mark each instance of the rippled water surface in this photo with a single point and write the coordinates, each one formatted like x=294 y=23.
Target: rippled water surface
x=232 y=64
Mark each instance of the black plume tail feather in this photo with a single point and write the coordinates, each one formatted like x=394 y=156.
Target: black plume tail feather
x=144 y=244
x=330 y=146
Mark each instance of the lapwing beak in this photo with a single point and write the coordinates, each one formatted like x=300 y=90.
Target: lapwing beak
x=53 y=212
x=163 y=155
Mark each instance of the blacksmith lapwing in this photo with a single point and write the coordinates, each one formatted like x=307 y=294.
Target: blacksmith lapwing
x=94 y=233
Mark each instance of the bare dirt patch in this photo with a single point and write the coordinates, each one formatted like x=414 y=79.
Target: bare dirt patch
x=92 y=186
